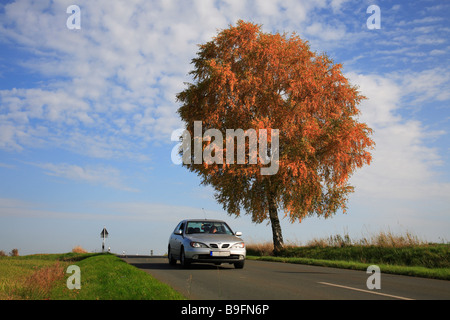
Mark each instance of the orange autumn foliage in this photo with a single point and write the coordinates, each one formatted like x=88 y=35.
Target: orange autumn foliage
x=245 y=78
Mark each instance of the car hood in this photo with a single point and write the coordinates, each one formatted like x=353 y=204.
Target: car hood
x=214 y=238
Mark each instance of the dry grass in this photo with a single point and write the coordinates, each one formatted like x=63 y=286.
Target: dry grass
x=263 y=249
x=266 y=248
x=79 y=249
x=387 y=239
x=384 y=239
x=39 y=284
x=29 y=277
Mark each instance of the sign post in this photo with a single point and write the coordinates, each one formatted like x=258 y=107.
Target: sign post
x=104 y=235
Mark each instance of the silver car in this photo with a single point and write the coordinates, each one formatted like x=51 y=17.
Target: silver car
x=205 y=240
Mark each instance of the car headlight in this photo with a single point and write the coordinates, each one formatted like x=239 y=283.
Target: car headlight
x=239 y=245
x=198 y=245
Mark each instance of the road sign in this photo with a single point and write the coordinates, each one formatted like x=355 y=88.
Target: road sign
x=104 y=233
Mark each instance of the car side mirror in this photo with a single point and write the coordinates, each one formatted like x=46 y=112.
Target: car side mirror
x=178 y=232
x=238 y=234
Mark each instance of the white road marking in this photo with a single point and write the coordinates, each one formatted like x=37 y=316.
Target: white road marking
x=367 y=291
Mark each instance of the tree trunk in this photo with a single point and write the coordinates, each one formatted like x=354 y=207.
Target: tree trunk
x=276 y=228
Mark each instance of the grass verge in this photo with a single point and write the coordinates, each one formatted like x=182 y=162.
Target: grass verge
x=106 y=277
x=404 y=254
x=103 y=277
x=434 y=273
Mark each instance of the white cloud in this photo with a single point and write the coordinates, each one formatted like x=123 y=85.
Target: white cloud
x=404 y=165
x=437 y=52
x=129 y=211
x=427 y=85
x=111 y=85
x=326 y=32
x=96 y=175
x=6 y=165
x=116 y=76
x=107 y=91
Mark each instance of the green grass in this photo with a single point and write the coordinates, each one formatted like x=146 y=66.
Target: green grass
x=17 y=275
x=103 y=277
x=435 y=273
x=106 y=277
x=429 y=256
x=430 y=260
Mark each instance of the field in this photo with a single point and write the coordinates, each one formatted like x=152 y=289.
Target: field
x=404 y=254
x=106 y=277
x=103 y=277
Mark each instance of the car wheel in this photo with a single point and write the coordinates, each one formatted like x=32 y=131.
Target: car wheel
x=172 y=261
x=185 y=263
x=239 y=265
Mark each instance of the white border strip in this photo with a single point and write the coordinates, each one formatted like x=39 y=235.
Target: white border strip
x=367 y=291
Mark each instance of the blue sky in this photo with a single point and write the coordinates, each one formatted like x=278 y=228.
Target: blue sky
x=86 y=118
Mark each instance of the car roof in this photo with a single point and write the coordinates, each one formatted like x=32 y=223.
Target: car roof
x=203 y=220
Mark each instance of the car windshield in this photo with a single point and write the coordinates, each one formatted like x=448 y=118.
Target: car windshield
x=211 y=227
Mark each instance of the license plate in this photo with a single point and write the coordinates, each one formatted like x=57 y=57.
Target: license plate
x=219 y=253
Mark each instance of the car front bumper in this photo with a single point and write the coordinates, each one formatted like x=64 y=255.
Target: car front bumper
x=215 y=255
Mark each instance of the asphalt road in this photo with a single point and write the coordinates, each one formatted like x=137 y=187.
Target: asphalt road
x=260 y=280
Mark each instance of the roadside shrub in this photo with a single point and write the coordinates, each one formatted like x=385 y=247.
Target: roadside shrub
x=79 y=249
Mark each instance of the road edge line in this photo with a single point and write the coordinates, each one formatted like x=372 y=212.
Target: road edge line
x=367 y=291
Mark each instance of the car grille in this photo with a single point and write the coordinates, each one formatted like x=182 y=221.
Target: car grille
x=214 y=245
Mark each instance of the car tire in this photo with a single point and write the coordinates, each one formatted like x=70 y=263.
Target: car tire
x=239 y=265
x=185 y=263
x=172 y=261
